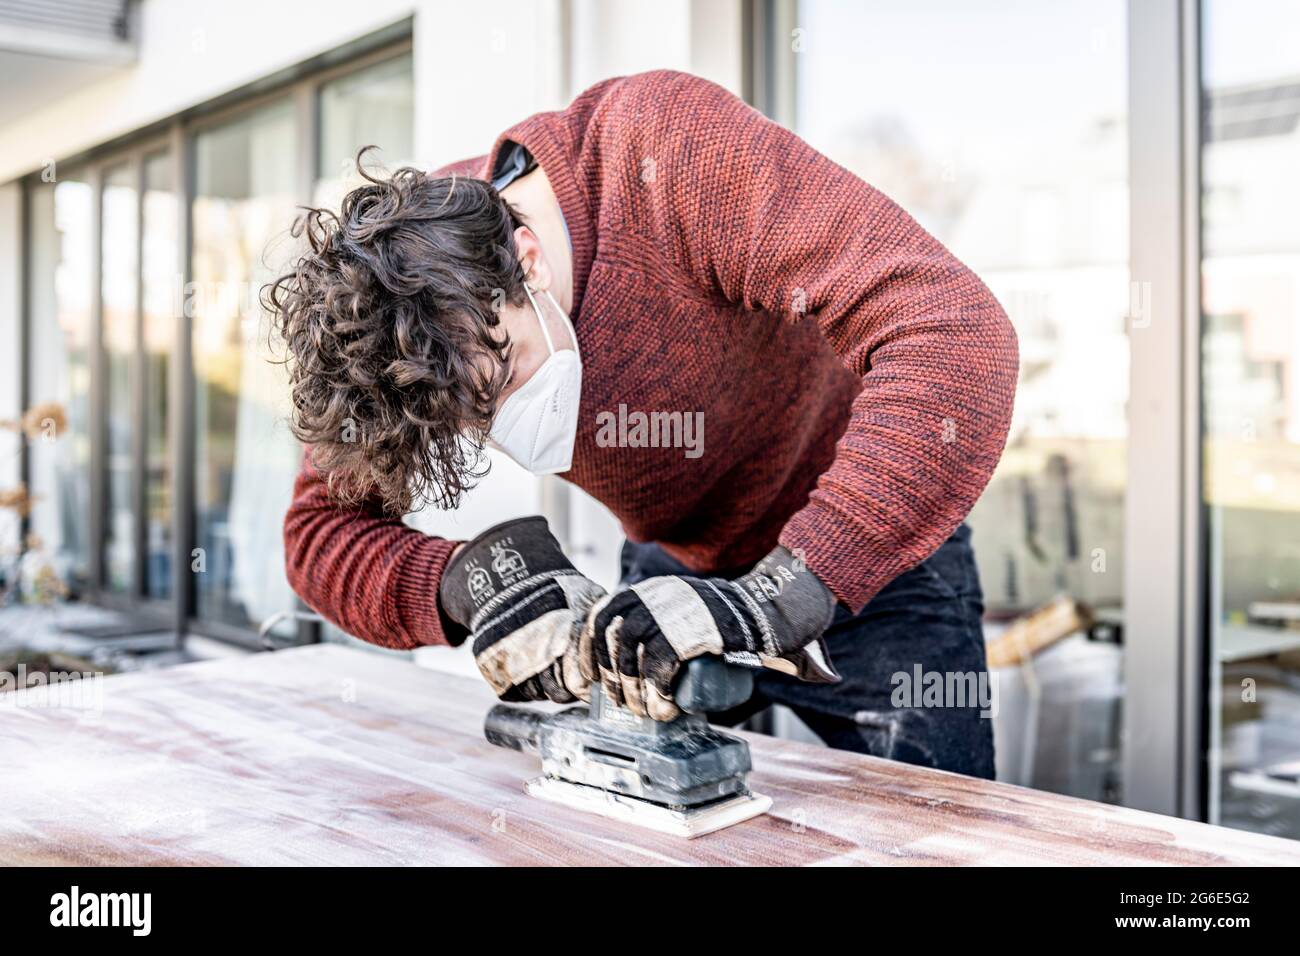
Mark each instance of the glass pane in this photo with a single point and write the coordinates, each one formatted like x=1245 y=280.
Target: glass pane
x=121 y=207
x=62 y=247
x=371 y=107
x=246 y=458
x=1250 y=359
x=159 y=287
x=1001 y=126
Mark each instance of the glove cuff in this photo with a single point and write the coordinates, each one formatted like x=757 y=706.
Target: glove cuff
x=799 y=606
x=500 y=557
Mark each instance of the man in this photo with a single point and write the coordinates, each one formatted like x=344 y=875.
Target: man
x=657 y=248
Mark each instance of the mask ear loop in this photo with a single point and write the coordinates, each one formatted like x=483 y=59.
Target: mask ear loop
x=550 y=347
x=573 y=333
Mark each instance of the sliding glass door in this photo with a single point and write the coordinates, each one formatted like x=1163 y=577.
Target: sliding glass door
x=1002 y=128
x=159 y=296
x=147 y=336
x=119 y=287
x=1251 y=373
x=61 y=323
x=246 y=188
x=247 y=185
x=368 y=107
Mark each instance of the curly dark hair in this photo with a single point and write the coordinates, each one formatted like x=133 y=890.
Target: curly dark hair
x=391 y=334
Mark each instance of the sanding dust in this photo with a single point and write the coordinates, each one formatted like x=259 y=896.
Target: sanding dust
x=686 y=824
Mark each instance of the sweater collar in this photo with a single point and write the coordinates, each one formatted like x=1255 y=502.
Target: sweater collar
x=538 y=135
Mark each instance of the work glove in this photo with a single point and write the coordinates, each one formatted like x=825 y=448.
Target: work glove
x=524 y=604
x=635 y=641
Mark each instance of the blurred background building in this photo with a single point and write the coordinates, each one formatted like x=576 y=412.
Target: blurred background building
x=1122 y=174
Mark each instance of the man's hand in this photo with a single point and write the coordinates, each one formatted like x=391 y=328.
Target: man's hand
x=524 y=603
x=636 y=640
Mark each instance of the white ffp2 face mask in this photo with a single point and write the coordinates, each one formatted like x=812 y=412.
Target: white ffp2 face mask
x=537 y=424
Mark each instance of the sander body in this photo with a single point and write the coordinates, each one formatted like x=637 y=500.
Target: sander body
x=680 y=776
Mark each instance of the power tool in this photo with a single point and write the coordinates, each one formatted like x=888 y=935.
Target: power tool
x=681 y=776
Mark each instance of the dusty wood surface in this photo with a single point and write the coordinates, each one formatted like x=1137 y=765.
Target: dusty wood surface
x=326 y=755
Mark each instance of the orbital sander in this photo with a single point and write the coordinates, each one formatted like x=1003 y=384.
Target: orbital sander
x=681 y=776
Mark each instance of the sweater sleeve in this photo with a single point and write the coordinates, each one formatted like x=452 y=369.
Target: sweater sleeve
x=367 y=573
x=761 y=219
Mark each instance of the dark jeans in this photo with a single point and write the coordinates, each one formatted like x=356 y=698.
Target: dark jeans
x=928 y=617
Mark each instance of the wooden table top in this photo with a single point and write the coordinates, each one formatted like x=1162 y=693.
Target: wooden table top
x=328 y=755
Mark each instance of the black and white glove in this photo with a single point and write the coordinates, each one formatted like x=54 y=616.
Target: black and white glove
x=524 y=604
x=636 y=640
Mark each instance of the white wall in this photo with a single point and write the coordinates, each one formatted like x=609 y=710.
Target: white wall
x=617 y=37
x=481 y=67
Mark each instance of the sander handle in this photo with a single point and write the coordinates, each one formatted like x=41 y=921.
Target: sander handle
x=515 y=728
x=706 y=685
x=710 y=685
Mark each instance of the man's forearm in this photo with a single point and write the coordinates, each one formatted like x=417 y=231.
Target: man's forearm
x=366 y=572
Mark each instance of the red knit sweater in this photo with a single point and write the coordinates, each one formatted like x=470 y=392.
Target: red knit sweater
x=855 y=379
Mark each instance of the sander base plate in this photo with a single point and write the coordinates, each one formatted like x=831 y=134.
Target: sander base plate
x=683 y=822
